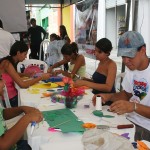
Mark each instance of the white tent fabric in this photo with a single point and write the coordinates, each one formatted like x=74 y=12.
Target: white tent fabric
x=69 y=2
x=13 y=15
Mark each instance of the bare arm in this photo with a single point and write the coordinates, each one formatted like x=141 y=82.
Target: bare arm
x=87 y=79
x=15 y=76
x=113 y=97
x=44 y=33
x=102 y=87
x=57 y=65
x=10 y=113
x=120 y=95
x=143 y=110
x=11 y=137
x=79 y=62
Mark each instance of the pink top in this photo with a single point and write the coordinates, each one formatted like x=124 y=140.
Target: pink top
x=9 y=82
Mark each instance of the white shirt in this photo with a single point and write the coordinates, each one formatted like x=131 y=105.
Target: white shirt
x=6 y=41
x=54 y=51
x=138 y=83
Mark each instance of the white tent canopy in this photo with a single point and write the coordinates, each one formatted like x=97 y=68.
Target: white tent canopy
x=13 y=13
x=64 y=2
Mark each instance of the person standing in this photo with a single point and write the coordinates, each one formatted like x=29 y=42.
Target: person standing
x=6 y=41
x=64 y=36
x=52 y=52
x=35 y=32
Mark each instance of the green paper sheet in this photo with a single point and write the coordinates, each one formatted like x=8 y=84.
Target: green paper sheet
x=100 y=114
x=63 y=119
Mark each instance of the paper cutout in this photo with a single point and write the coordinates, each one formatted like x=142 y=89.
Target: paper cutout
x=63 y=119
x=45 y=85
x=60 y=84
x=100 y=114
x=89 y=125
x=126 y=135
x=33 y=91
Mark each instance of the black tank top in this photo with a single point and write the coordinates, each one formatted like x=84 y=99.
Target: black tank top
x=100 y=78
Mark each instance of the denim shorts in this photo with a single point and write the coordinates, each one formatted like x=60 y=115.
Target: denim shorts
x=13 y=102
x=23 y=145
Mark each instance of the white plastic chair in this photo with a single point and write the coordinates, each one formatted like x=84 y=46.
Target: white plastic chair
x=43 y=47
x=118 y=81
x=6 y=98
x=28 y=62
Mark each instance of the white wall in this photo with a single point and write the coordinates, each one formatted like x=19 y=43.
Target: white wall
x=111 y=26
x=101 y=19
x=144 y=22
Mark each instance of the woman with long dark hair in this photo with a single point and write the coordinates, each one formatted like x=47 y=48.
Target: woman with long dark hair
x=18 y=53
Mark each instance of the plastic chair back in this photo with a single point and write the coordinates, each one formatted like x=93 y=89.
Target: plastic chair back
x=6 y=98
x=34 y=62
x=118 y=81
x=43 y=47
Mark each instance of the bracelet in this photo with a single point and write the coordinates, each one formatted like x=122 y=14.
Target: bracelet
x=135 y=107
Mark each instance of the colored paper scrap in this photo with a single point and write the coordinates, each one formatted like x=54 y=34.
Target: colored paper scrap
x=63 y=119
x=100 y=114
x=44 y=85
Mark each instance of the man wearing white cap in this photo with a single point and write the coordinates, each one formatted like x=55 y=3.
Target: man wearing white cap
x=134 y=99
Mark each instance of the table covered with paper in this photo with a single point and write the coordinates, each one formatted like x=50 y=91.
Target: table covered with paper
x=61 y=127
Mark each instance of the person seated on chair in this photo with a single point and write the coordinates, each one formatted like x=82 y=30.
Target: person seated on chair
x=52 y=52
x=134 y=99
x=18 y=53
x=103 y=79
x=11 y=138
x=77 y=65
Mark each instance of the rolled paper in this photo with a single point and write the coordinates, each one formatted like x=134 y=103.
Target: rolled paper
x=98 y=103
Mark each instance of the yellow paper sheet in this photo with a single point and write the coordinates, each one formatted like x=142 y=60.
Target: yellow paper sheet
x=45 y=85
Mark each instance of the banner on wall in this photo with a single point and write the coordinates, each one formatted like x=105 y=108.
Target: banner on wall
x=86 y=26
